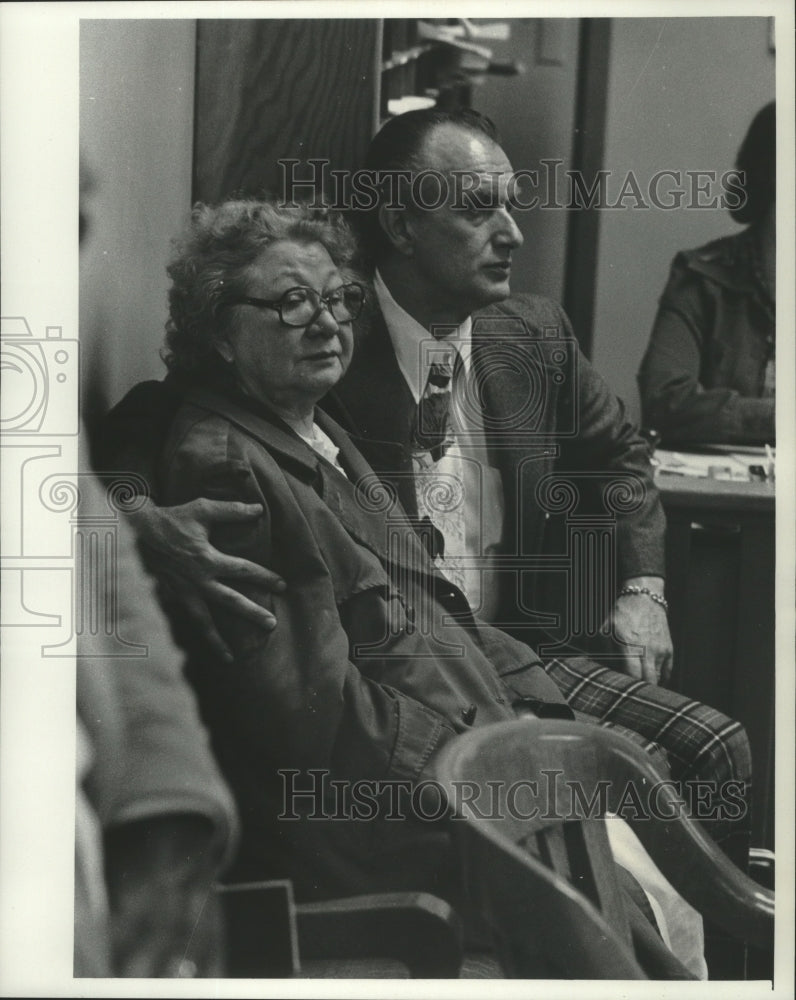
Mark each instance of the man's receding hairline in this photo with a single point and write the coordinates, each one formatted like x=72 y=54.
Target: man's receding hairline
x=422 y=157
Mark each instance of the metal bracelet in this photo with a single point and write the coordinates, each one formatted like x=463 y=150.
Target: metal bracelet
x=658 y=598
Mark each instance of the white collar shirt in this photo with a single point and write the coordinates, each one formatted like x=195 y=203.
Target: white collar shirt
x=472 y=536
x=414 y=346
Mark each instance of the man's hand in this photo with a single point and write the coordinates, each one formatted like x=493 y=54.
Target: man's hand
x=179 y=552
x=640 y=621
x=165 y=919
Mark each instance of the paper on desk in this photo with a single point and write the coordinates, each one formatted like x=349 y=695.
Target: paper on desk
x=741 y=450
x=675 y=463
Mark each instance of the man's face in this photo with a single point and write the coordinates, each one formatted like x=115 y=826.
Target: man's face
x=461 y=251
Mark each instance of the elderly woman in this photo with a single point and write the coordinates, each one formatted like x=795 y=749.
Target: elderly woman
x=366 y=673
x=708 y=373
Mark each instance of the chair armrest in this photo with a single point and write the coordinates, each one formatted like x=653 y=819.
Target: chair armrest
x=418 y=929
x=260 y=929
x=709 y=881
x=268 y=934
x=692 y=862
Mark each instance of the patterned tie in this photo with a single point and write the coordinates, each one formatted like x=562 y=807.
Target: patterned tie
x=438 y=468
x=432 y=430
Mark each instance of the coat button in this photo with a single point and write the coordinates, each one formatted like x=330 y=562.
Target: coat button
x=468 y=714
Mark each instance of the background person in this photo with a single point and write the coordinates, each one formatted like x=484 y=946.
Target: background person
x=708 y=375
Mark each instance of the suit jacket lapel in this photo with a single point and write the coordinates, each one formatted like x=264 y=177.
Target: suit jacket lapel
x=375 y=406
x=373 y=396
x=511 y=372
x=516 y=415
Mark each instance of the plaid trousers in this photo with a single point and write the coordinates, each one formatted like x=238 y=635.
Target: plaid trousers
x=688 y=741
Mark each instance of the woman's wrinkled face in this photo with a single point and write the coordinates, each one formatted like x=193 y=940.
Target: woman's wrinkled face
x=288 y=367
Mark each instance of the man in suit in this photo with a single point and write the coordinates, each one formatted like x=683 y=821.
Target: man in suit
x=442 y=276
x=530 y=407
x=528 y=417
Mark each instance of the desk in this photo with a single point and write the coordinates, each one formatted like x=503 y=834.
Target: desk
x=720 y=544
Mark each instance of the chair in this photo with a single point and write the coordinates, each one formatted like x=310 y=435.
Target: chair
x=545 y=880
x=268 y=935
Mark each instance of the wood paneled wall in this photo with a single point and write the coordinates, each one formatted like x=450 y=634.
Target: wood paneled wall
x=280 y=88
x=136 y=131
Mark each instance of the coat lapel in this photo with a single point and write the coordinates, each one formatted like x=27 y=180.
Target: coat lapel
x=361 y=505
x=366 y=507
x=294 y=454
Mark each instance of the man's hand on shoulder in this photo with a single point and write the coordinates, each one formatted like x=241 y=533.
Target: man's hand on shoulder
x=640 y=620
x=177 y=543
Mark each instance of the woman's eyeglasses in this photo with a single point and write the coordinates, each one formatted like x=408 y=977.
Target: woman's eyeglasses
x=301 y=306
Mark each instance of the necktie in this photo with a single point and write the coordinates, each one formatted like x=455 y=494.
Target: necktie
x=438 y=468
x=432 y=431
x=458 y=492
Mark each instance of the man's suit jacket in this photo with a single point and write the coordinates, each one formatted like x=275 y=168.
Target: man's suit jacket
x=549 y=419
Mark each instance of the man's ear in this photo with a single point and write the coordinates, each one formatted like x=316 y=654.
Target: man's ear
x=397 y=225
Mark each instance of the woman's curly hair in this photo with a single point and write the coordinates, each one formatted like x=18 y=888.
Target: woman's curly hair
x=210 y=260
